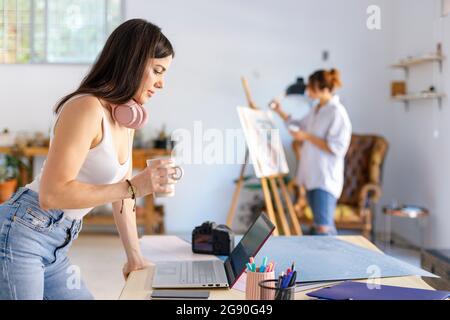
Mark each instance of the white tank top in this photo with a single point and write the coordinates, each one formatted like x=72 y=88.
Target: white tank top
x=101 y=165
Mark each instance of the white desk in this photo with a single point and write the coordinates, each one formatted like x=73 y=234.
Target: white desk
x=139 y=283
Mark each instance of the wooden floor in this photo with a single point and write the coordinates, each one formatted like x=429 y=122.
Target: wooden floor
x=100 y=258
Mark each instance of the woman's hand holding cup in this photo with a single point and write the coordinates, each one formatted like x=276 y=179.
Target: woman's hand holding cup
x=159 y=178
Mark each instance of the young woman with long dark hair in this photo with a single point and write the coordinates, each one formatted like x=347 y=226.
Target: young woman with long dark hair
x=88 y=165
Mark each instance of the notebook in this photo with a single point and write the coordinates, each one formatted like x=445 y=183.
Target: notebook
x=361 y=291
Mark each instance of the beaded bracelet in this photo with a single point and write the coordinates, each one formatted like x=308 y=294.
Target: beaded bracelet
x=132 y=197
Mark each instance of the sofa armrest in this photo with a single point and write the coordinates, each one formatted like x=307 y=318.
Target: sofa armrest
x=369 y=193
x=299 y=198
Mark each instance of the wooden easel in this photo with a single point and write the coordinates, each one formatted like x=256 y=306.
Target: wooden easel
x=279 y=217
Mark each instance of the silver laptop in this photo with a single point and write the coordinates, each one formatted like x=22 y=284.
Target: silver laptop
x=215 y=273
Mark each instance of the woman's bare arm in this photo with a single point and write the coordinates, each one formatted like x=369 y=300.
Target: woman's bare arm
x=276 y=106
x=126 y=225
x=76 y=129
x=302 y=136
x=319 y=142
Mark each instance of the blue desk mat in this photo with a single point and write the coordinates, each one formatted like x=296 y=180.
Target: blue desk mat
x=319 y=258
x=330 y=259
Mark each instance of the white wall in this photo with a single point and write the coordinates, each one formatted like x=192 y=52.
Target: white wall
x=29 y=92
x=270 y=42
x=420 y=150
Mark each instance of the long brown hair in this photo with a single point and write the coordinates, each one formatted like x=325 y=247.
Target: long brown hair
x=325 y=79
x=117 y=73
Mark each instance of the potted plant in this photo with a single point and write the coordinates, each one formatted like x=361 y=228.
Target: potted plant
x=163 y=140
x=9 y=176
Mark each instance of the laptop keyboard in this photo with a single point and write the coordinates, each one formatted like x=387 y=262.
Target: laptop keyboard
x=197 y=272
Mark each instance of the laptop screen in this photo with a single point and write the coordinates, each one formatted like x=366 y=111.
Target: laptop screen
x=248 y=247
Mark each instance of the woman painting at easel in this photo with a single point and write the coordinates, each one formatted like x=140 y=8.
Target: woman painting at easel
x=325 y=133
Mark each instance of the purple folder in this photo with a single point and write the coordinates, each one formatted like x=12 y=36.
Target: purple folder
x=361 y=291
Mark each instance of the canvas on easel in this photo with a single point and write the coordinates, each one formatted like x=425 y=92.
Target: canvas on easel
x=264 y=142
x=267 y=154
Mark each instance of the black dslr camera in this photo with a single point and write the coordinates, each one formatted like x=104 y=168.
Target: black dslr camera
x=210 y=238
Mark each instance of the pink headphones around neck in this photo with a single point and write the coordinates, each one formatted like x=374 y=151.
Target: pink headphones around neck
x=131 y=114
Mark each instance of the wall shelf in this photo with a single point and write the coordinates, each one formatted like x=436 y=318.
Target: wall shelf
x=420 y=96
x=414 y=61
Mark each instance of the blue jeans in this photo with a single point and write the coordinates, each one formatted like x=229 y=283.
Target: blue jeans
x=323 y=206
x=33 y=252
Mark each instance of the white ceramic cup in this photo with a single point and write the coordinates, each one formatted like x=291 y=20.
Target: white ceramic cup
x=177 y=176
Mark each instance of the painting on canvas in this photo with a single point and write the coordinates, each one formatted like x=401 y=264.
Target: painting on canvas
x=264 y=142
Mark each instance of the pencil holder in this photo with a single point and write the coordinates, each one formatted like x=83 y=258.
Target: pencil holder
x=252 y=288
x=270 y=290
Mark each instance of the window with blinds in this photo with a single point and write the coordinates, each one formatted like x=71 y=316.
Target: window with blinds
x=56 y=31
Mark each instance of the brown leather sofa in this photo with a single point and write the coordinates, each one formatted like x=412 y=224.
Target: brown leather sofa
x=362 y=185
